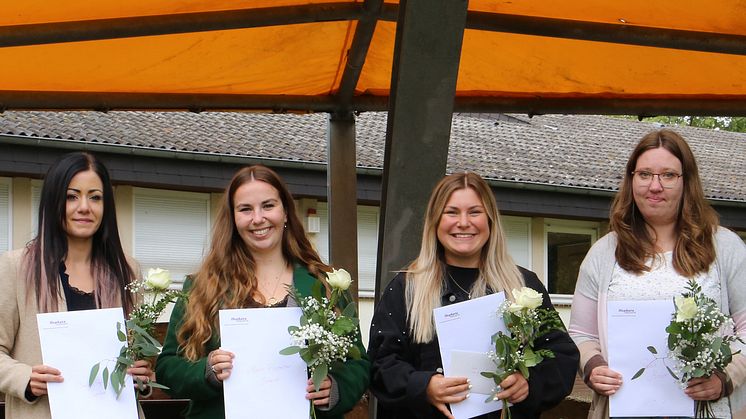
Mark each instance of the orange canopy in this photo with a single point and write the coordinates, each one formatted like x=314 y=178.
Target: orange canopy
x=293 y=55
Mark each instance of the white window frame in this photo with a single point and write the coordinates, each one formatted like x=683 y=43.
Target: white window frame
x=323 y=208
x=527 y=222
x=565 y=226
x=9 y=183
x=36 y=186
x=164 y=193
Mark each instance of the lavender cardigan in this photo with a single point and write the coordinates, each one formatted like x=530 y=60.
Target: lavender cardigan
x=588 y=325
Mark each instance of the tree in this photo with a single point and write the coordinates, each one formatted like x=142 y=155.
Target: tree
x=725 y=123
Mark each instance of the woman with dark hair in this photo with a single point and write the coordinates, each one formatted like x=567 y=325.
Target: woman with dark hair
x=259 y=248
x=663 y=233
x=463 y=255
x=75 y=262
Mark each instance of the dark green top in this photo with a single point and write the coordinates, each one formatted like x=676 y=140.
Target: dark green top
x=186 y=379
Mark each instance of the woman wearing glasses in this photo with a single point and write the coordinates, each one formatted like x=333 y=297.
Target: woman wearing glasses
x=663 y=232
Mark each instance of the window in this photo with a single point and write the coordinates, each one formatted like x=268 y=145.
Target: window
x=367 y=244
x=518 y=236
x=171 y=230
x=5 y=215
x=567 y=243
x=36 y=185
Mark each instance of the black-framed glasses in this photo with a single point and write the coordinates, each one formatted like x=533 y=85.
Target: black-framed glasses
x=667 y=179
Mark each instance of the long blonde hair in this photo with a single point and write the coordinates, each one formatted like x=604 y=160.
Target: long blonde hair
x=227 y=276
x=425 y=275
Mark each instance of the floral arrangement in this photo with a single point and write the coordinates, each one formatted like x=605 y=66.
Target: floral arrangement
x=699 y=338
x=526 y=322
x=326 y=337
x=138 y=342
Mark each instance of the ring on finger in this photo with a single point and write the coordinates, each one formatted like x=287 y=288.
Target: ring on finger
x=214 y=371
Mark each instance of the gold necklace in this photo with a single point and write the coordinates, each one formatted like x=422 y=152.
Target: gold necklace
x=468 y=294
x=272 y=300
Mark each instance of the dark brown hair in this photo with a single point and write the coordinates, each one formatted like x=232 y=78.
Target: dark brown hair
x=694 y=250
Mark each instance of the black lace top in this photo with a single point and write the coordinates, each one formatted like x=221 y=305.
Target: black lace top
x=76 y=299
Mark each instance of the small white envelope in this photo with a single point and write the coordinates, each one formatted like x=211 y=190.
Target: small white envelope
x=470 y=365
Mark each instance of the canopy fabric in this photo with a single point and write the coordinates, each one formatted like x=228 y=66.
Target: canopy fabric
x=306 y=56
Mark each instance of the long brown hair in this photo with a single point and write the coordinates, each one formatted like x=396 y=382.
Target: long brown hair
x=425 y=275
x=694 y=250
x=227 y=276
x=44 y=254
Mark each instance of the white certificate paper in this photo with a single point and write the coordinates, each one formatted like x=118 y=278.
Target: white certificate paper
x=465 y=334
x=633 y=326
x=73 y=342
x=263 y=383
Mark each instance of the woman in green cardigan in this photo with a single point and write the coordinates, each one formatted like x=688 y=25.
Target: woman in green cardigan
x=259 y=248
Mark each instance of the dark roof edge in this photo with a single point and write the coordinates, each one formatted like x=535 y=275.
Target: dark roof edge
x=292 y=164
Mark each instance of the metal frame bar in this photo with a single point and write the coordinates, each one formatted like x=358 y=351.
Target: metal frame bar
x=90 y=30
x=358 y=52
x=104 y=101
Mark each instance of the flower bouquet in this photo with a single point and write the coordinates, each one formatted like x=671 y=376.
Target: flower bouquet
x=526 y=322
x=699 y=338
x=326 y=337
x=137 y=337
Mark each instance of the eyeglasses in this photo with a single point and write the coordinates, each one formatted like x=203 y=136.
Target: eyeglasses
x=667 y=179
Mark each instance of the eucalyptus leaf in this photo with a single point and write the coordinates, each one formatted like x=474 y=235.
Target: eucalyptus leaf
x=290 y=350
x=105 y=376
x=319 y=373
x=639 y=373
x=94 y=373
x=653 y=350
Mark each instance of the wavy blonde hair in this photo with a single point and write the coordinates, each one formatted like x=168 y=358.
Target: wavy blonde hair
x=226 y=278
x=696 y=223
x=426 y=274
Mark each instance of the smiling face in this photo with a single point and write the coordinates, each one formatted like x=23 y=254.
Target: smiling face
x=658 y=205
x=463 y=228
x=84 y=205
x=259 y=216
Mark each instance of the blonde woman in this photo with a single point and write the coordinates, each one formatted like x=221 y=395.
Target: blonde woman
x=463 y=256
x=258 y=249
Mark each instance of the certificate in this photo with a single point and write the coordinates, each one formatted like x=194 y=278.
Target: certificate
x=73 y=342
x=633 y=326
x=263 y=383
x=465 y=336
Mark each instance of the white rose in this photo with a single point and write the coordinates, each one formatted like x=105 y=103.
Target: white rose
x=339 y=278
x=158 y=278
x=526 y=298
x=686 y=308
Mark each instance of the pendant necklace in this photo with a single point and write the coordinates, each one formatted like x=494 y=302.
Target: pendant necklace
x=272 y=300
x=468 y=294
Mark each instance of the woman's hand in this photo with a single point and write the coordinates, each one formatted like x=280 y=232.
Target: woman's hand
x=40 y=376
x=321 y=397
x=604 y=381
x=704 y=388
x=442 y=390
x=514 y=388
x=221 y=363
x=142 y=372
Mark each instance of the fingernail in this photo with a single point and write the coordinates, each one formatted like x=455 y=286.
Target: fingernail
x=468 y=380
x=495 y=398
x=467 y=395
x=470 y=386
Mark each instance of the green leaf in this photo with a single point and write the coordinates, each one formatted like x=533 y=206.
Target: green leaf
x=318 y=375
x=343 y=326
x=672 y=374
x=290 y=350
x=653 y=350
x=105 y=376
x=157 y=385
x=355 y=353
x=639 y=373
x=350 y=310
x=488 y=374
x=94 y=373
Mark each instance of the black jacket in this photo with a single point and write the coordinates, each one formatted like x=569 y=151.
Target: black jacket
x=401 y=369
